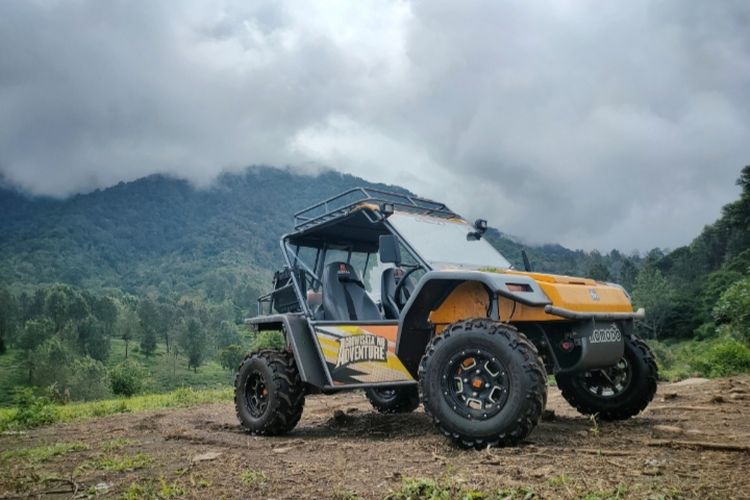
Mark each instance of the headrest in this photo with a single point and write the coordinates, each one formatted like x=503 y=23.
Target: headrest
x=344 y=271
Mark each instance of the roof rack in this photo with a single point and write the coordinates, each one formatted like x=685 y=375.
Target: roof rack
x=343 y=203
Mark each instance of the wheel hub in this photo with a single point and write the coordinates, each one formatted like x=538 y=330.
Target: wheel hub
x=256 y=395
x=608 y=382
x=475 y=384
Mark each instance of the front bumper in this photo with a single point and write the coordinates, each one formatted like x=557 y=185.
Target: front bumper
x=600 y=316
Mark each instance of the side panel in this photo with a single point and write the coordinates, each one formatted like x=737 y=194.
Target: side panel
x=361 y=353
x=301 y=342
x=306 y=353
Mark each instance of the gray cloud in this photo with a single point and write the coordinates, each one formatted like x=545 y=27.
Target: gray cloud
x=594 y=125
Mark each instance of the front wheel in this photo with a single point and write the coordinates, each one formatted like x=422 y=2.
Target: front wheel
x=268 y=393
x=483 y=383
x=618 y=392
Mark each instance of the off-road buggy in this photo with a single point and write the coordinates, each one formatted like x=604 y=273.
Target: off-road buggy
x=401 y=297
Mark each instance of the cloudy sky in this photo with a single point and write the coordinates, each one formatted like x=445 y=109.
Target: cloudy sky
x=593 y=124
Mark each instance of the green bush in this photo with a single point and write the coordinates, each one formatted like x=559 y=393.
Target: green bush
x=733 y=308
x=51 y=362
x=723 y=358
x=707 y=358
x=231 y=357
x=89 y=380
x=127 y=378
x=269 y=340
x=31 y=410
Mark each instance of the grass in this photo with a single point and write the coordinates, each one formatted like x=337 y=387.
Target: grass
x=160 y=489
x=42 y=453
x=183 y=397
x=120 y=463
x=412 y=489
x=253 y=478
x=429 y=489
x=116 y=444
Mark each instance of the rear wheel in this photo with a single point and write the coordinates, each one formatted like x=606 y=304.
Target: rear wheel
x=618 y=392
x=483 y=383
x=394 y=399
x=269 y=396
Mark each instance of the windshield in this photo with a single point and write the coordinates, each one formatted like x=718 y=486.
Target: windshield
x=443 y=244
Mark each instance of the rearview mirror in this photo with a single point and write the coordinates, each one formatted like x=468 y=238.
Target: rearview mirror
x=388 y=249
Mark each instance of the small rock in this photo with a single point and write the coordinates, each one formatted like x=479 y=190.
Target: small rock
x=548 y=415
x=668 y=428
x=691 y=381
x=103 y=487
x=651 y=471
x=208 y=456
x=339 y=415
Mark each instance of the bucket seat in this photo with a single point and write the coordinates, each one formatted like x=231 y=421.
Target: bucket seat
x=344 y=295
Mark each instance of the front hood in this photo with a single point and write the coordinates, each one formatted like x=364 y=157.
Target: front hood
x=580 y=294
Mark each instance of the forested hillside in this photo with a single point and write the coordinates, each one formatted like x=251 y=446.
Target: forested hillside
x=683 y=288
x=161 y=235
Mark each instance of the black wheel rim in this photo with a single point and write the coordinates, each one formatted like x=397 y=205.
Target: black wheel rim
x=475 y=384
x=609 y=382
x=256 y=395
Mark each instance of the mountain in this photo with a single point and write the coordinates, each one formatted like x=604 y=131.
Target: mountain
x=161 y=235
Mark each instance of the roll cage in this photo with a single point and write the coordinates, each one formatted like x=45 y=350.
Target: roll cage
x=350 y=222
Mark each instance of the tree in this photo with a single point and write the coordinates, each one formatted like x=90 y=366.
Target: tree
x=733 y=308
x=194 y=341
x=653 y=292
x=89 y=379
x=167 y=317
x=92 y=339
x=128 y=327
x=52 y=363
x=231 y=357
x=105 y=310
x=628 y=273
x=227 y=335
x=8 y=318
x=599 y=272
x=56 y=306
x=35 y=332
x=148 y=316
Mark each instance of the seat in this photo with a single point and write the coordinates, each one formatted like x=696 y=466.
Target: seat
x=344 y=295
x=389 y=281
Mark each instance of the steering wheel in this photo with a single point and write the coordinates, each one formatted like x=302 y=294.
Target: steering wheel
x=400 y=286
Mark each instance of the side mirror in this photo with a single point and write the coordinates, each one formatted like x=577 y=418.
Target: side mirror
x=480 y=226
x=388 y=249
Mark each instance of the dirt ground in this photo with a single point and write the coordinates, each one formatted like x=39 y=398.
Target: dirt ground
x=342 y=448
